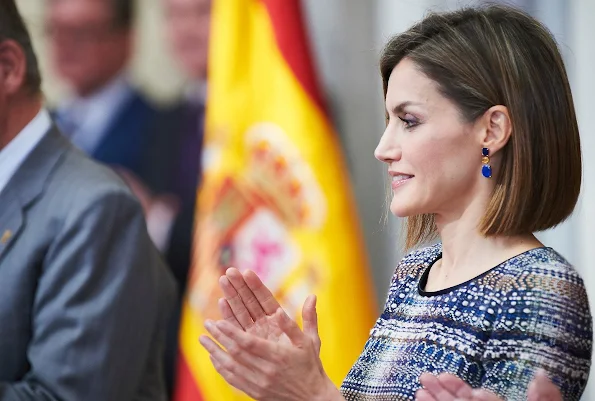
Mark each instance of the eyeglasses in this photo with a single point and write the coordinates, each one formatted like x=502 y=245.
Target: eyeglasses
x=89 y=33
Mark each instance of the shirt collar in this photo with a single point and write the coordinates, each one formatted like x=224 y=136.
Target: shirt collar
x=17 y=150
x=93 y=114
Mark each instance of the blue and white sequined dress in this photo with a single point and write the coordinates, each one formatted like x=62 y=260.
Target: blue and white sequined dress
x=493 y=331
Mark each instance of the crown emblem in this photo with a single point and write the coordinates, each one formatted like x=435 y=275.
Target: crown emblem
x=280 y=174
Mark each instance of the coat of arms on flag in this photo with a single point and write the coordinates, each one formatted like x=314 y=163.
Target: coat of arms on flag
x=275 y=194
x=252 y=218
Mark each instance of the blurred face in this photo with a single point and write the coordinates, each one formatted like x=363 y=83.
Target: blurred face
x=188 y=25
x=87 y=51
x=433 y=157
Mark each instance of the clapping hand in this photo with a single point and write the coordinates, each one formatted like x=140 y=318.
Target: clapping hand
x=262 y=351
x=447 y=387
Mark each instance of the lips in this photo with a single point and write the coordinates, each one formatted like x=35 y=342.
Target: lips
x=399 y=180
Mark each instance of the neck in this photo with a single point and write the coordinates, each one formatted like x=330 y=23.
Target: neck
x=466 y=249
x=88 y=91
x=19 y=111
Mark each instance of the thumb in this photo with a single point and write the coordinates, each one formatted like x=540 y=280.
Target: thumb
x=289 y=327
x=310 y=318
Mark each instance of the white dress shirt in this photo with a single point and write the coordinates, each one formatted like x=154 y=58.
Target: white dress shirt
x=13 y=154
x=90 y=116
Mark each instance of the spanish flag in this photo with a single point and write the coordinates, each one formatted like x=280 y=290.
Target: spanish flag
x=275 y=194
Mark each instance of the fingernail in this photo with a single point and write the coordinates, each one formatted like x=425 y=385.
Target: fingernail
x=209 y=324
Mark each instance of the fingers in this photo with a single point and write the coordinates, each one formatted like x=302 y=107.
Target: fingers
x=224 y=363
x=455 y=385
x=236 y=381
x=542 y=388
x=236 y=303
x=434 y=387
x=261 y=292
x=227 y=312
x=237 y=352
x=484 y=395
x=255 y=346
x=248 y=298
x=424 y=395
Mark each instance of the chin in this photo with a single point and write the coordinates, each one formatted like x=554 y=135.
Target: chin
x=403 y=209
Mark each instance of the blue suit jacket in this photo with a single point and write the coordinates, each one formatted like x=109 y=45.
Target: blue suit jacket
x=128 y=136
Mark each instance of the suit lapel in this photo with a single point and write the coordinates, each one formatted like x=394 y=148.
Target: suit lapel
x=11 y=221
x=27 y=186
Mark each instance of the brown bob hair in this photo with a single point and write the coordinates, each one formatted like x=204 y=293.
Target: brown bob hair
x=497 y=55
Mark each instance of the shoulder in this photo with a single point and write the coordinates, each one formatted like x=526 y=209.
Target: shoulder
x=546 y=295
x=543 y=321
x=79 y=183
x=416 y=261
x=544 y=272
x=410 y=269
x=412 y=266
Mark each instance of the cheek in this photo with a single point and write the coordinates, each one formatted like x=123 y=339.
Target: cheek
x=430 y=158
x=447 y=162
x=459 y=169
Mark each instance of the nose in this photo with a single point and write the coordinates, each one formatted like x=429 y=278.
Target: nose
x=388 y=149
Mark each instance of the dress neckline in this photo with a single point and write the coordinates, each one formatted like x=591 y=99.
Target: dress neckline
x=424 y=278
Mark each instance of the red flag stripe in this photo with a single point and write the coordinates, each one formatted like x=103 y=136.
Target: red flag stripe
x=186 y=388
x=290 y=33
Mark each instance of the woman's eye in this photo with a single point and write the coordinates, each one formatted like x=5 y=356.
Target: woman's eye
x=408 y=123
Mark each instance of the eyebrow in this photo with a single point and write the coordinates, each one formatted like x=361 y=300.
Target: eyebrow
x=399 y=108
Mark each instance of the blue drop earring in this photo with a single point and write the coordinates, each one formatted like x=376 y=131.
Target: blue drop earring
x=486 y=169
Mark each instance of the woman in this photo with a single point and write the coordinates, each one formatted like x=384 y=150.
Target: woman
x=482 y=147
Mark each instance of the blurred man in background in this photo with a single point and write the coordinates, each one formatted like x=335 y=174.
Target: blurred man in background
x=91 y=43
x=84 y=293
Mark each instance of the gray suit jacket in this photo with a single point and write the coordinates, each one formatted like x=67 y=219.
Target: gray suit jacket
x=84 y=295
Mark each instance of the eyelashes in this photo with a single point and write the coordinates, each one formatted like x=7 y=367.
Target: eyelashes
x=409 y=123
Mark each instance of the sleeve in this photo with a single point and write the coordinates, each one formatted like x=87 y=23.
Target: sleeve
x=96 y=309
x=546 y=326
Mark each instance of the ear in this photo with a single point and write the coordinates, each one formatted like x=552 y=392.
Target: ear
x=497 y=128
x=13 y=67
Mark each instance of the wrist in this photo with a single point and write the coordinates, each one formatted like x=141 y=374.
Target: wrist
x=329 y=392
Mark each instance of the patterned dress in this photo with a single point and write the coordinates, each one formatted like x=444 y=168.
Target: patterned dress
x=493 y=331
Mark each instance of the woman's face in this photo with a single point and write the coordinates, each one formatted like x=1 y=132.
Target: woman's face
x=433 y=156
